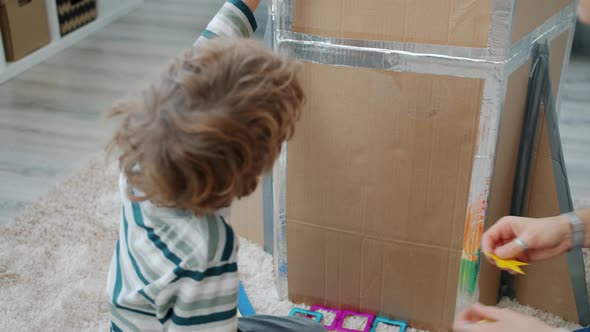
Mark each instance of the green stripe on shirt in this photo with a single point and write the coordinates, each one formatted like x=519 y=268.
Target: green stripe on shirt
x=209 y=34
x=199 y=304
x=229 y=242
x=200 y=320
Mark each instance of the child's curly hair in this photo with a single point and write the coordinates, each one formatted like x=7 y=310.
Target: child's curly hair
x=203 y=134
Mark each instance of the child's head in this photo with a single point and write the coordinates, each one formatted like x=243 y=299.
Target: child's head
x=202 y=135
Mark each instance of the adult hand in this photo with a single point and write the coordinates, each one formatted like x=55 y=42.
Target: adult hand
x=498 y=320
x=544 y=237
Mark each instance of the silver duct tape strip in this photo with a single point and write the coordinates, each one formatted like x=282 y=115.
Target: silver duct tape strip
x=492 y=109
x=280 y=228
x=267 y=191
x=501 y=23
x=411 y=48
x=499 y=36
x=281 y=16
x=284 y=15
x=499 y=51
x=389 y=60
x=268 y=214
x=521 y=51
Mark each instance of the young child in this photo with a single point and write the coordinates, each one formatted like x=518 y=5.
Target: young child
x=196 y=139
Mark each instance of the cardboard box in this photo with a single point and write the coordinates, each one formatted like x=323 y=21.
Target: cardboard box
x=251 y=217
x=407 y=146
x=247 y=217
x=24 y=27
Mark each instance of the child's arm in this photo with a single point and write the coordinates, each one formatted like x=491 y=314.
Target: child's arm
x=235 y=19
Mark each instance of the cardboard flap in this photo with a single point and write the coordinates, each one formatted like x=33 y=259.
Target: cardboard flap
x=504 y=170
x=532 y=13
x=551 y=276
x=452 y=22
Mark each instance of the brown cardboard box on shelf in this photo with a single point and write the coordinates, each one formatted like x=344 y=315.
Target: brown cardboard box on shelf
x=408 y=143
x=24 y=27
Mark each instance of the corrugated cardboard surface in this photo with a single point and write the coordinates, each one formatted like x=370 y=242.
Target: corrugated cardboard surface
x=447 y=22
x=532 y=13
x=378 y=183
x=247 y=217
x=24 y=27
x=504 y=170
x=551 y=276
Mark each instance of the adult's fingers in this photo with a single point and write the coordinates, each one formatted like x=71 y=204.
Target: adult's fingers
x=497 y=234
x=473 y=326
x=512 y=249
x=486 y=243
x=488 y=313
x=469 y=315
x=468 y=320
x=484 y=327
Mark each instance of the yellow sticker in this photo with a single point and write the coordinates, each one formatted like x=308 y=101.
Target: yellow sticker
x=508 y=264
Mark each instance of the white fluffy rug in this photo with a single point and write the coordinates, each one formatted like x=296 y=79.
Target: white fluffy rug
x=54 y=260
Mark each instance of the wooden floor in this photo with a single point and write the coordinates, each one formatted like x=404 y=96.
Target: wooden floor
x=50 y=115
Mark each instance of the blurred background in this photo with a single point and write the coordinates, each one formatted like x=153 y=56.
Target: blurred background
x=64 y=62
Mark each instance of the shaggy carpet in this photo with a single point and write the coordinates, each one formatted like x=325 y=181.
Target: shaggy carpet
x=54 y=259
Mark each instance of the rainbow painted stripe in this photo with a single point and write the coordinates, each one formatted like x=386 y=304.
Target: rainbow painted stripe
x=469 y=270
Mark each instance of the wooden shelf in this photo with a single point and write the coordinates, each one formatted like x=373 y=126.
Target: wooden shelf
x=108 y=11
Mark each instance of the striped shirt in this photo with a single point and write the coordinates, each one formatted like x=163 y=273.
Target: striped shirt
x=233 y=20
x=173 y=270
